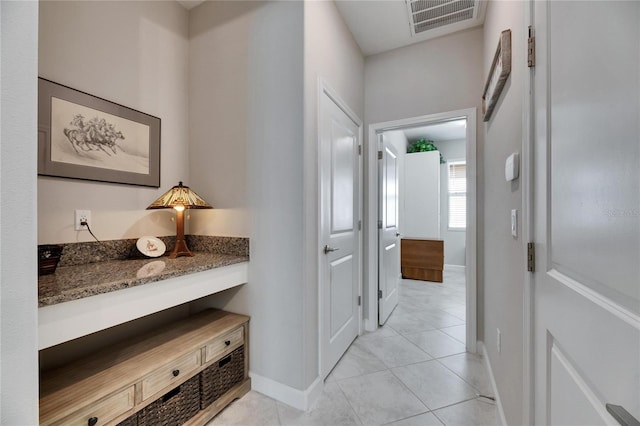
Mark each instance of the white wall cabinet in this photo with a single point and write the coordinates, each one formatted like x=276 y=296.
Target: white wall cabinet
x=421 y=195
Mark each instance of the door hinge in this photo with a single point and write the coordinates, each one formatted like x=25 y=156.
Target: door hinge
x=379 y=155
x=359 y=225
x=531 y=257
x=379 y=224
x=359 y=300
x=379 y=294
x=531 y=49
x=359 y=149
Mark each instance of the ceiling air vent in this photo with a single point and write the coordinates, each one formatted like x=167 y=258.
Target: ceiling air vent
x=430 y=14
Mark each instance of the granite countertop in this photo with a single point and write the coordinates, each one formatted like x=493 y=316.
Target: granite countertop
x=76 y=280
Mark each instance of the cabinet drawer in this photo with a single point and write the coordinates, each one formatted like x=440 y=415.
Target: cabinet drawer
x=170 y=373
x=222 y=344
x=102 y=411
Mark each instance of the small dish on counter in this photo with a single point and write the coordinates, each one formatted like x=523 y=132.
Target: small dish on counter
x=151 y=246
x=150 y=269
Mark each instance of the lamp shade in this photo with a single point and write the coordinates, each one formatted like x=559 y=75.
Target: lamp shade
x=179 y=196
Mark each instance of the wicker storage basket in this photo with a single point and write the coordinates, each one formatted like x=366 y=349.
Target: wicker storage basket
x=218 y=378
x=175 y=407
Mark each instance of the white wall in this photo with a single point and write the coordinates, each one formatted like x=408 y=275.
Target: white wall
x=504 y=256
x=18 y=288
x=276 y=128
x=219 y=43
x=454 y=241
x=134 y=54
x=444 y=74
x=247 y=62
x=330 y=54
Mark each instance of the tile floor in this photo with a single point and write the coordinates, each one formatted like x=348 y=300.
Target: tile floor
x=412 y=371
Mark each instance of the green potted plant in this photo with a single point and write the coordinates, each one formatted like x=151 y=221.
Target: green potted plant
x=423 y=145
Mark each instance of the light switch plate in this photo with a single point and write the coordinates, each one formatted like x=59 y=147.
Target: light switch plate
x=514 y=222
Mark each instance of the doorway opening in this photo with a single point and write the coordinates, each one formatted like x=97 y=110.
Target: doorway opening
x=446 y=217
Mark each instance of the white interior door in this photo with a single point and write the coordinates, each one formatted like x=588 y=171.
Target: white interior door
x=587 y=211
x=389 y=236
x=339 y=264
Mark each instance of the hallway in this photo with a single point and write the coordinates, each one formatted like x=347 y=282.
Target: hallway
x=412 y=371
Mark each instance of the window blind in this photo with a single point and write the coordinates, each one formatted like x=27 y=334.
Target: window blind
x=457 y=186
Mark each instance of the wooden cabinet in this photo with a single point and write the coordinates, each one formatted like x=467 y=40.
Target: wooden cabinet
x=112 y=385
x=421 y=195
x=422 y=259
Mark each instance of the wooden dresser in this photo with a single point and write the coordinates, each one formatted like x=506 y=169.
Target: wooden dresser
x=120 y=382
x=422 y=259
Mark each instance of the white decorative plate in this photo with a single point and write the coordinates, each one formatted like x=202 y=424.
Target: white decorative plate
x=151 y=246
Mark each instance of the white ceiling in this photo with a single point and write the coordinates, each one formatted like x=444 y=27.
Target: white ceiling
x=381 y=25
x=445 y=131
x=190 y=4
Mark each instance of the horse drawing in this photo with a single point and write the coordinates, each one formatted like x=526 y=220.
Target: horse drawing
x=94 y=135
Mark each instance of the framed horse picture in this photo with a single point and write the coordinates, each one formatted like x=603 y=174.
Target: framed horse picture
x=81 y=136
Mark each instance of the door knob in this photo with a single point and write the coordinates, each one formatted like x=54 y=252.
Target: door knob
x=328 y=249
x=397 y=234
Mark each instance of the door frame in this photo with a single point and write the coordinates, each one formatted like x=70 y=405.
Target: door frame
x=528 y=208
x=372 y=216
x=325 y=89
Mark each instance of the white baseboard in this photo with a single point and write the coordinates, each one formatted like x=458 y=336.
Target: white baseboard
x=296 y=398
x=487 y=364
x=454 y=267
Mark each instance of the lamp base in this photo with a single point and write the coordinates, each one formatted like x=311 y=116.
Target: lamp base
x=180 y=249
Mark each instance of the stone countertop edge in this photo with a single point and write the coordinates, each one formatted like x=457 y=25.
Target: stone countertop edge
x=104 y=251
x=79 y=281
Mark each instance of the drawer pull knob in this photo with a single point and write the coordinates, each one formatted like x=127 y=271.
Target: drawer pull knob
x=93 y=421
x=175 y=373
x=227 y=342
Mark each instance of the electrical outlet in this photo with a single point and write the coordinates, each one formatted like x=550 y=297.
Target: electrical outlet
x=82 y=216
x=498 y=340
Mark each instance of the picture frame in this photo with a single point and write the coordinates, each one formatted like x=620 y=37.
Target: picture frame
x=498 y=74
x=81 y=136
